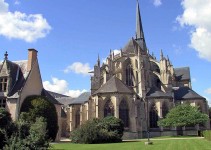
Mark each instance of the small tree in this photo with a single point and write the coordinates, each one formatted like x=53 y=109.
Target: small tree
x=39 y=106
x=183 y=115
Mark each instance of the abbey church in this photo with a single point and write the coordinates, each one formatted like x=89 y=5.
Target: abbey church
x=132 y=85
x=138 y=88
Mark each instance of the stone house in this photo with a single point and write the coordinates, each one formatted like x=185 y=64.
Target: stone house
x=20 y=79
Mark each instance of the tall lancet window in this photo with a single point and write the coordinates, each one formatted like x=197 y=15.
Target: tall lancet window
x=153 y=116
x=108 y=109
x=124 y=113
x=129 y=75
x=77 y=118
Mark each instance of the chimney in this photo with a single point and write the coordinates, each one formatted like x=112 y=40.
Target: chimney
x=32 y=57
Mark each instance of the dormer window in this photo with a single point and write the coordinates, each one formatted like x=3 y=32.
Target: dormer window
x=3 y=84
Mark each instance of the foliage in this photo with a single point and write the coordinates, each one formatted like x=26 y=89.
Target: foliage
x=106 y=130
x=39 y=106
x=5 y=126
x=29 y=136
x=207 y=135
x=183 y=115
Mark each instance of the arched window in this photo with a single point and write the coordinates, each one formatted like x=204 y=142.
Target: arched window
x=164 y=109
x=77 y=118
x=153 y=116
x=124 y=113
x=129 y=75
x=108 y=109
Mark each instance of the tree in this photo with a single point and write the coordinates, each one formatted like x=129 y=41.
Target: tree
x=39 y=106
x=183 y=115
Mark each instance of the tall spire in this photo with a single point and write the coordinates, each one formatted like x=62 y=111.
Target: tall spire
x=139 y=29
x=6 y=55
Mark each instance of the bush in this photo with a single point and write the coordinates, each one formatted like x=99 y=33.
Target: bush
x=106 y=130
x=29 y=136
x=5 y=126
x=207 y=135
x=39 y=106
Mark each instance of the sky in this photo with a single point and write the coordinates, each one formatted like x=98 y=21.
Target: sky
x=69 y=35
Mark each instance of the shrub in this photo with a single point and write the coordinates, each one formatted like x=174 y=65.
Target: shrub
x=207 y=135
x=39 y=106
x=29 y=136
x=5 y=126
x=106 y=130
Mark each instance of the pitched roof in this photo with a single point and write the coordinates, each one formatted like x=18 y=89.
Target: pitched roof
x=50 y=97
x=155 y=92
x=84 y=97
x=185 y=93
x=182 y=73
x=131 y=46
x=113 y=85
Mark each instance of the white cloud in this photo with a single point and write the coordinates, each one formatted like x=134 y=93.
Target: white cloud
x=17 y=2
x=61 y=86
x=208 y=91
x=78 y=68
x=193 y=79
x=116 y=51
x=18 y=25
x=196 y=14
x=157 y=3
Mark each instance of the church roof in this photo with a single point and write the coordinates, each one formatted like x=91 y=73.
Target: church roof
x=185 y=93
x=131 y=46
x=155 y=92
x=113 y=85
x=182 y=73
x=84 y=97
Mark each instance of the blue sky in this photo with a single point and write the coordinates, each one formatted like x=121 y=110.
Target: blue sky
x=69 y=34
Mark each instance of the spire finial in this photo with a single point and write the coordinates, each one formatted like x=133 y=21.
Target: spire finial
x=161 y=54
x=6 y=55
x=98 y=60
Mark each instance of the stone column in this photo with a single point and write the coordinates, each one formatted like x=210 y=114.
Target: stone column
x=71 y=119
x=116 y=106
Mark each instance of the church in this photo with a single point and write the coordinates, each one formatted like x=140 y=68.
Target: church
x=132 y=85
x=139 y=89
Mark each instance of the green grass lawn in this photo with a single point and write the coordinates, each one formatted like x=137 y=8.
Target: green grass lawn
x=165 y=144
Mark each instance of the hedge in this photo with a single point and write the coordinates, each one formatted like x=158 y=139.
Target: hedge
x=207 y=134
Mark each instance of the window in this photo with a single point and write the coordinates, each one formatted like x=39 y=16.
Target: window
x=77 y=118
x=153 y=116
x=109 y=109
x=3 y=102
x=3 y=84
x=124 y=113
x=129 y=75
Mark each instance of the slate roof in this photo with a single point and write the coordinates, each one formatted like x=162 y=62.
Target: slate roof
x=18 y=74
x=131 y=46
x=155 y=92
x=185 y=93
x=50 y=97
x=84 y=97
x=182 y=73
x=113 y=85
x=57 y=95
